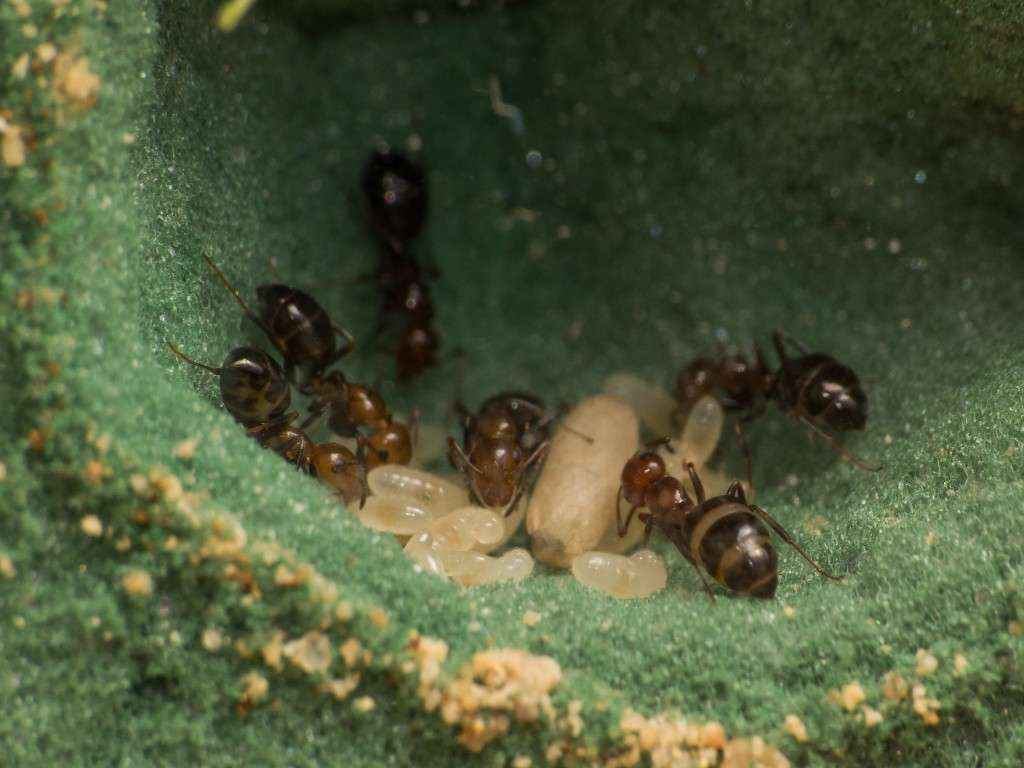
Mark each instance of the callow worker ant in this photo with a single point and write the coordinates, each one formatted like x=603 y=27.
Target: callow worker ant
x=723 y=536
x=813 y=388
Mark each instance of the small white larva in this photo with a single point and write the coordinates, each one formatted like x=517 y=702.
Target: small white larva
x=573 y=503
x=638 y=575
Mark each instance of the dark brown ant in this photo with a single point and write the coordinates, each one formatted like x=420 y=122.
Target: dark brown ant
x=298 y=327
x=350 y=407
x=256 y=393
x=501 y=444
x=814 y=389
x=406 y=295
x=395 y=196
x=725 y=536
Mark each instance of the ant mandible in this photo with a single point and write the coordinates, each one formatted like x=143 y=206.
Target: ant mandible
x=723 y=536
x=814 y=389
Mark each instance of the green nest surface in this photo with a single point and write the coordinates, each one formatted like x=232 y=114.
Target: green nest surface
x=696 y=173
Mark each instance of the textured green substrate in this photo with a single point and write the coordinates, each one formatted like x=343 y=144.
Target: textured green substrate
x=852 y=174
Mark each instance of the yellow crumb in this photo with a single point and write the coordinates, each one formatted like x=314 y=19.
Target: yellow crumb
x=123 y=544
x=12 y=144
x=311 y=653
x=254 y=689
x=30 y=30
x=22 y=8
x=340 y=688
x=379 y=617
x=926 y=663
x=20 y=67
x=795 y=727
x=137 y=583
x=212 y=639
x=186 y=449
x=959 y=664
x=3 y=472
x=925 y=707
x=46 y=52
x=73 y=81
x=851 y=696
x=344 y=611
x=364 y=704
x=788 y=611
x=166 y=484
x=129 y=138
x=273 y=649
x=94 y=472
x=351 y=651
x=1015 y=628
x=872 y=717
x=139 y=485
x=751 y=753
x=522 y=761
x=19 y=622
x=91 y=526
x=95 y=621
x=531 y=618
x=712 y=736
x=7 y=569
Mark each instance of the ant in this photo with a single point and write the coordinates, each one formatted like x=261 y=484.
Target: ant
x=256 y=393
x=814 y=389
x=395 y=197
x=298 y=327
x=508 y=436
x=350 y=406
x=724 y=535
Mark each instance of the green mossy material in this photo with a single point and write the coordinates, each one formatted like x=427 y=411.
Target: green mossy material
x=850 y=171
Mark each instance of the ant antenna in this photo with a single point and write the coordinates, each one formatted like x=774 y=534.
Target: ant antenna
x=187 y=359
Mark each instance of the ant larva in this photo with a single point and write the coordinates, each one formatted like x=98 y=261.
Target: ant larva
x=814 y=389
x=724 y=535
x=298 y=327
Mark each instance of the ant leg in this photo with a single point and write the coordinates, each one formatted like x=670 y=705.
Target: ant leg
x=779 y=342
x=741 y=438
x=698 y=486
x=562 y=412
x=784 y=535
x=458 y=458
x=278 y=345
x=620 y=527
x=344 y=349
x=804 y=349
x=539 y=453
x=835 y=446
x=414 y=428
x=736 y=491
x=272 y=263
x=187 y=359
x=658 y=442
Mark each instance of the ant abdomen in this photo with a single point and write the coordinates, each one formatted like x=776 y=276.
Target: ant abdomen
x=300 y=325
x=734 y=547
x=830 y=392
x=253 y=387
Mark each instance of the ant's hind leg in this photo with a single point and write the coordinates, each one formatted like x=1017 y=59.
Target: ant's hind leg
x=741 y=438
x=698 y=486
x=784 y=535
x=835 y=446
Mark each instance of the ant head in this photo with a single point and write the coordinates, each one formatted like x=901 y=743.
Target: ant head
x=666 y=495
x=391 y=444
x=365 y=405
x=695 y=379
x=395 y=192
x=750 y=566
x=639 y=472
x=499 y=465
x=336 y=466
x=495 y=425
x=840 y=403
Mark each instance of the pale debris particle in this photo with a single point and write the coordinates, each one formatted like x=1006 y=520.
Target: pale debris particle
x=3 y=472
x=254 y=690
x=341 y=687
x=166 y=484
x=522 y=761
x=894 y=687
x=925 y=707
x=123 y=544
x=428 y=655
x=789 y=611
x=344 y=611
x=351 y=652
x=19 y=69
x=22 y=8
x=273 y=649
x=670 y=741
x=926 y=663
x=94 y=472
x=795 y=727
x=364 y=704
x=231 y=13
x=30 y=30
x=186 y=449
x=379 y=617
x=19 y=622
x=12 y=144
x=311 y=653
x=851 y=696
x=212 y=639
x=872 y=717
x=139 y=485
x=137 y=583
x=286 y=577
x=531 y=618
x=7 y=569
x=91 y=526
x=73 y=81
x=1015 y=628
x=129 y=138
x=46 y=52
x=495 y=686
x=959 y=664
x=752 y=753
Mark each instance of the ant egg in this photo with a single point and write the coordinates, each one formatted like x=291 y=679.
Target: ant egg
x=433 y=492
x=652 y=404
x=472 y=569
x=639 y=575
x=395 y=513
x=573 y=502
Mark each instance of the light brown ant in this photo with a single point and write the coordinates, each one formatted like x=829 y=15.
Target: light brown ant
x=298 y=327
x=814 y=389
x=724 y=535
